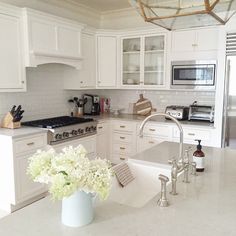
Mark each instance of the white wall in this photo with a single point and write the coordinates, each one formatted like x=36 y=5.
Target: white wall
x=45 y=96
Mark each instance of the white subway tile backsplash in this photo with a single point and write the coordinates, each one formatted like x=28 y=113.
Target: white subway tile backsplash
x=160 y=99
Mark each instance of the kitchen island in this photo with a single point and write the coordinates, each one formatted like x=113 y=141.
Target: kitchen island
x=206 y=206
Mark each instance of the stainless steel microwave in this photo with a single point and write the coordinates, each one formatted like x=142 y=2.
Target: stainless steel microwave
x=193 y=74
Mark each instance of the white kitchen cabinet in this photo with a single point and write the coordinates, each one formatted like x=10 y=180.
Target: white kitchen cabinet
x=17 y=189
x=51 y=39
x=197 y=40
x=12 y=70
x=106 y=61
x=103 y=140
x=191 y=134
x=24 y=186
x=123 y=143
x=85 y=78
x=143 y=61
x=146 y=142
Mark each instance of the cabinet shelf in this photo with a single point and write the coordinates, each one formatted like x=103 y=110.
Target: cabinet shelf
x=131 y=52
x=153 y=71
x=154 y=51
x=131 y=72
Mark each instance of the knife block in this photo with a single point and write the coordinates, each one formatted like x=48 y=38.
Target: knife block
x=7 y=122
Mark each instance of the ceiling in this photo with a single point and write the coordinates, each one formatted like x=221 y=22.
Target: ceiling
x=104 y=5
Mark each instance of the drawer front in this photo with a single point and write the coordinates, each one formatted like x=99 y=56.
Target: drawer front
x=193 y=134
x=157 y=130
x=122 y=137
x=124 y=126
x=30 y=143
x=102 y=128
x=124 y=149
x=118 y=158
x=147 y=142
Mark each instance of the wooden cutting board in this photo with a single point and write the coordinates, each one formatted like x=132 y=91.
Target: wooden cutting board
x=143 y=106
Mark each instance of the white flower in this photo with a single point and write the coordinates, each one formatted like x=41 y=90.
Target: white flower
x=70 y=171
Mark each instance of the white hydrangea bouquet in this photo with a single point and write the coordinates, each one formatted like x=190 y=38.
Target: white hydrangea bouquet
x=70 y=171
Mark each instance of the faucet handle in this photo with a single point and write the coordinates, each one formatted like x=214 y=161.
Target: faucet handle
x=172 y=161
x=163 y=178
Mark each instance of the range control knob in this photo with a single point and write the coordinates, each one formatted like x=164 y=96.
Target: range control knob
x=80 y=131
x=65 y=135
x=74 y=132
x=58 y=136
x=87 y=129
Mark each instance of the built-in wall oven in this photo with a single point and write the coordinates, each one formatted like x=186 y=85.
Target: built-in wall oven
x=193 y=74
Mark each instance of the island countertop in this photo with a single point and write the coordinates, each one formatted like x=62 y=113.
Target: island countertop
x=206 y=206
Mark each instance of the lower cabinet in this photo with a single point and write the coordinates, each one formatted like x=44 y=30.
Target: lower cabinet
x=193 y=134
x=17 y=189
x=25 y=187
x=103 y=142
x=123 y=140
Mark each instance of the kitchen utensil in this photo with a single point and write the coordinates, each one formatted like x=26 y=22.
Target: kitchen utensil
x=143 y=106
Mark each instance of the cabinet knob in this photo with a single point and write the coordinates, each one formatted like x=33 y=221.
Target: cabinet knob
x=22 y=81
x=99 y=82
x=194 y=45
x=81 y=82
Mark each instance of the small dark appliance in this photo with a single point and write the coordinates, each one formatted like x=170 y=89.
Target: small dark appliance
x=91 y=104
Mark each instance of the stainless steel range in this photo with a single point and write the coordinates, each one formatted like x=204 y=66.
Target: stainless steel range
x=65 y=128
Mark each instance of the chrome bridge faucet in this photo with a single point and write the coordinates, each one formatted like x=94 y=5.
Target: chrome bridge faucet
x=182 y=164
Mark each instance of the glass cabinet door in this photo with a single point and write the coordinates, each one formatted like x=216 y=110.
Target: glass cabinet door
x=154 y=60
x=131 y=61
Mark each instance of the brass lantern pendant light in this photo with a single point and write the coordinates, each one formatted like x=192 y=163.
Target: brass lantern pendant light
x=179 y=14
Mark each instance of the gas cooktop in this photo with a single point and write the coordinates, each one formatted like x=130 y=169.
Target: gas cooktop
x=65 y=128
x=56 y=122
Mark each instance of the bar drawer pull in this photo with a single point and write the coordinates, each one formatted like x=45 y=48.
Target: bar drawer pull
x=122 y=158
x=122 y=137
x=122 y=126
x=151 y=142
x=191 y=134
x=152 y=130
x=122 y=148
x=100 y=127
x=30 y=144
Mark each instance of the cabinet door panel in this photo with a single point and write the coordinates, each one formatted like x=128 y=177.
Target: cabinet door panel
x=87 y=74
x=11 y=58
x=207 y=39
x=179 y=42
x=107 y=61
x=25 y=187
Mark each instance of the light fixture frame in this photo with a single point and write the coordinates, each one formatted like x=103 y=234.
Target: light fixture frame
x=208 y=10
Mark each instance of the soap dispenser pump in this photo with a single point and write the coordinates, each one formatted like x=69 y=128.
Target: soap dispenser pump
x=199 y=158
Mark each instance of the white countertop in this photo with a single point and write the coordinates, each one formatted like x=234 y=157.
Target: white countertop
x=161 y=120
x=21 y=132
x=206 y=206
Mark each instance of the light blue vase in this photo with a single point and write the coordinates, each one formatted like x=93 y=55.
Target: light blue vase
x=77 y=210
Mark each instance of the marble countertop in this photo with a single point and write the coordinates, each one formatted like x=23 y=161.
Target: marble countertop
x=21 y=132
x=206 y=206
x=138 y=118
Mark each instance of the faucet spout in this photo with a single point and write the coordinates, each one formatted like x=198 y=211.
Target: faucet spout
x=175 y=121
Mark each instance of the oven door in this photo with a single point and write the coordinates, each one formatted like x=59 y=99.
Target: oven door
x=194 y=74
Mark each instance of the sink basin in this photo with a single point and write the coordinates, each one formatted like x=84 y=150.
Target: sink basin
x=143 y=188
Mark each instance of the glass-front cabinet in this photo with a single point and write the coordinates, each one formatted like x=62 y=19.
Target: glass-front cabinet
x=143 y=61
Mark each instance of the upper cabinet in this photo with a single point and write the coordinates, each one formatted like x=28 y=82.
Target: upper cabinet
x=106 y=61
x=143 y=61
x=12 y=70
x=85 y=78
x=195 y=40
x=51 y=39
